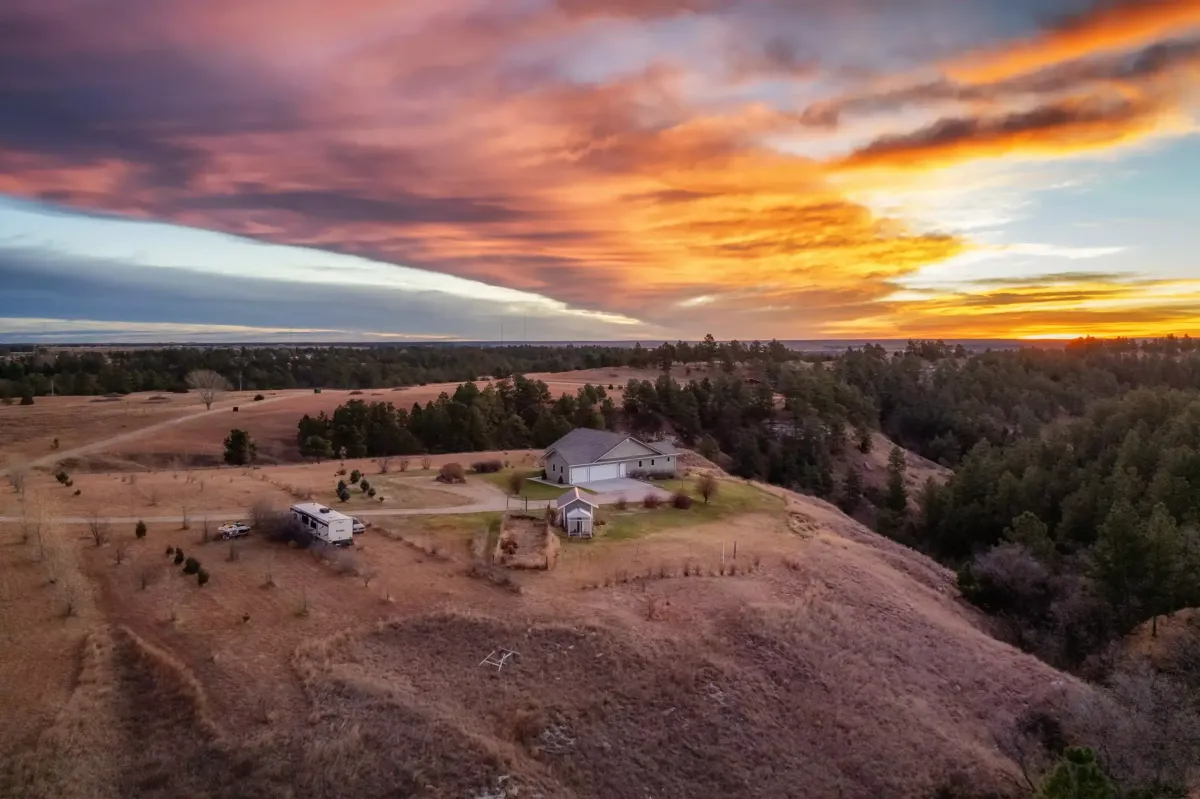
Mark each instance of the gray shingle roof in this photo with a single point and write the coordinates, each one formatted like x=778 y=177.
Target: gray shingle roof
x=583 y=445
x=571 y=496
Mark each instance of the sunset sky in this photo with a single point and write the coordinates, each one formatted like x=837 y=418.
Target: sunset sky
x=599 y=169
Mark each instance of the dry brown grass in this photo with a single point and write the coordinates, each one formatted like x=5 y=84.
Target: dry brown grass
x=807 y=665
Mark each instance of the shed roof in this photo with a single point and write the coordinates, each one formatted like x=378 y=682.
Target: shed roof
x=584 y=445
x=573 y=495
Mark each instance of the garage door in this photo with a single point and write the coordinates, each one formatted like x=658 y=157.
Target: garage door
x=607 y=471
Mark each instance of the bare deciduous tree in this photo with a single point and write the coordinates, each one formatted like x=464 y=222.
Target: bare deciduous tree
x=366 y=574
x=120 y=554
x=707 y=486
x=18 y=474
x=384 y=463
x=208 y=384
x=97 y=529
x=186 y=522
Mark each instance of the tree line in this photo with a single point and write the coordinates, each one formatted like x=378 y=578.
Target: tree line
x=347 y=367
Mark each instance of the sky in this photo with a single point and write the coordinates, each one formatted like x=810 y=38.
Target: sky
x=598 y=169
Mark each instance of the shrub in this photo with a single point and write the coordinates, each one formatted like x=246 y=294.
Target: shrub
x=404 y=464
x=178 y=556
x=26 y=399
x=681 y=501
x=259 y=398
x=341 y=486
x=62 y=477
x=343 y=493
x=355 y=476
x=371 y=492
x=170 y=550
x=452 y=473
x=316 y=391
x=78 y=491
x=651 y=501
x=486 y=467
x=365 y=486
x=201 y=577
x=426 y=462
x=622 y=503
x=191 y=566
x=140 y=530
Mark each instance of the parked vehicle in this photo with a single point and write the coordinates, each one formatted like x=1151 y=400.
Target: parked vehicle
x=325 y=523
x=359 y=526
x=234 y=530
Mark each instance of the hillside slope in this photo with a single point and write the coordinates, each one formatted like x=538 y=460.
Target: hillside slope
x=834 y=664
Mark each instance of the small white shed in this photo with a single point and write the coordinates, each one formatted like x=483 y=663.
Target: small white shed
x=576 y=514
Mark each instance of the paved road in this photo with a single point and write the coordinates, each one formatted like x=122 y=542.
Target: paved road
x=95 y=446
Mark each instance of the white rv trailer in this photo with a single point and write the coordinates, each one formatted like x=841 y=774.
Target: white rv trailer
x=325 y=523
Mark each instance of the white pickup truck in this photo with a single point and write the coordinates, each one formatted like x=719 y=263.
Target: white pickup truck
x=234 y=530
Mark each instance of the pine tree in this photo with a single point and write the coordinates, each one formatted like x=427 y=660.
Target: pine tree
x=851 y=493
x=1031 y=532
x=1077 y=776
x=240 y=449
x=1120 y=559
x=1166 y=562
x=140 y=530
x=896 y=498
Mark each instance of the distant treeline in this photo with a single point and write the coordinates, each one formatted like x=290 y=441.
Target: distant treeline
x=267 y=368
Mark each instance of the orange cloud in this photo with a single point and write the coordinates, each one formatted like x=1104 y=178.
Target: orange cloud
x=1100 y=307
x=1068 y=126
x=1118 y=26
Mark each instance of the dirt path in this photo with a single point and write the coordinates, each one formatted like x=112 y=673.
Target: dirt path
x=95 y=446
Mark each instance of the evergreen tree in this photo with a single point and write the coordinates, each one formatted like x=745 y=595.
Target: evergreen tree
x=850 y=497
x=896 y=497
x=240 y=449
x=1120 y=560
x=1077 y=776
x=1031 y=532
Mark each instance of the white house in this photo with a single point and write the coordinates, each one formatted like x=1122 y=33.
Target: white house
x=585 y=456
x=576 y=514
x=325 y=523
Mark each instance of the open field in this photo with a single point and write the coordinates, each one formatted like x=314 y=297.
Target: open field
x=194 y=437
x=819 y=660
x=174 y=491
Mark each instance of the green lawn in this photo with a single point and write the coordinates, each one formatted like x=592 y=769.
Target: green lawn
x=731 y=499
x=529 y=489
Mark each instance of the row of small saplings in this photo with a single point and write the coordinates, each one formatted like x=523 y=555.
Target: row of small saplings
x=190 y=564
x=356 y=478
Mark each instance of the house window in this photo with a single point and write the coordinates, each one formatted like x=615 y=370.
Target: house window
x=639 y=464
x=652 y=461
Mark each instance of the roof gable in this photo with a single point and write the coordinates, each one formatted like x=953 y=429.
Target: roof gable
x=573 y=497
x=629 y=448
x=583 y=445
